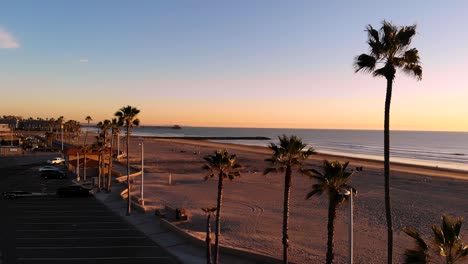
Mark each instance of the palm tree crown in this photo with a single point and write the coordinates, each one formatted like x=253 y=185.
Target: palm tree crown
x=446 y=242
x=221 y=163
x=333 y=181
x=290 y=152
x=127 y=116
x=389 y=47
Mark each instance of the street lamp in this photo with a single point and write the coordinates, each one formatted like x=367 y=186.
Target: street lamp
x=142 y=173
x=349 y=193
x=61 y=129
x=78 y=166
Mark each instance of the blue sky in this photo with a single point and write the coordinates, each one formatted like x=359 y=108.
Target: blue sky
x=229 y=63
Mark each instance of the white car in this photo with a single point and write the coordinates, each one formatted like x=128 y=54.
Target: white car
x=47 y=168
x=56 y=161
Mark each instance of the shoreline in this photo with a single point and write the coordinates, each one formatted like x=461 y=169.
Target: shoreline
x=374 y=164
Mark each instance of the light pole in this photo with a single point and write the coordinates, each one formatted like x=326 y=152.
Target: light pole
x=351 y=221
x=78 y=166
x=142 y=173
x=61 y=129
x=118 y=145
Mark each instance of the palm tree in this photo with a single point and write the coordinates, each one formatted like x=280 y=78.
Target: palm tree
x=289 y=155
x=389 y=50
x=128 y=117
x=100 y=146
x=209 y=212
x=104 y=126
x=88 y=119
x=447 y=243
x=223 y=165
x=333 y=181
x=115 y=129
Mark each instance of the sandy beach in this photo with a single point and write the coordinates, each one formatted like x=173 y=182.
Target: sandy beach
x=252 y=205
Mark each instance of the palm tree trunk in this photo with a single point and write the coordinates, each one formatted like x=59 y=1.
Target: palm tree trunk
x=218 y=218
x=84 y=164
x=208 y=239
x=109 y=179
x=331 y=227
x=287 y=192
x=388 y=211
x=99 y=170
x=128 y=173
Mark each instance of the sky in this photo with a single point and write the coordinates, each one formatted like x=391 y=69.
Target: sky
x=246 y=63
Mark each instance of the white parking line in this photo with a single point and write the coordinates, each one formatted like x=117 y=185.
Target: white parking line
x=81 y=223
x=64 y=211
x=72 y=238
x=99 y=247
x=71 y=216
x=102 y=258
x=75 y=229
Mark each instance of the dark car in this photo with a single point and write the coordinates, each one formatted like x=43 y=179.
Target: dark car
x=53 y=174
x=74 y=191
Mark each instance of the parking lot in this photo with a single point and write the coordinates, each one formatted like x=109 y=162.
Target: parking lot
x=49 y=229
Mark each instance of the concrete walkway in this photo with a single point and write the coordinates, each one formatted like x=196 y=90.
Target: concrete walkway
x=148 y=223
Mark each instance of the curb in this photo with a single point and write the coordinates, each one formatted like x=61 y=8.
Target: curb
x=252 y=256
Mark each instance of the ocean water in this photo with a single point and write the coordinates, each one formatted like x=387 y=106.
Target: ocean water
x=435 y=149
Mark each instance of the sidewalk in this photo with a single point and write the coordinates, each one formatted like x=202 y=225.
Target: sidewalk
x=148 y=223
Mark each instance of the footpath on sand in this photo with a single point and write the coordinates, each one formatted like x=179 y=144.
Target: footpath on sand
x=182 y=249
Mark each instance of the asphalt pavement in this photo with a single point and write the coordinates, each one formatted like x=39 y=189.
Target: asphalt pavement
x=49 y=229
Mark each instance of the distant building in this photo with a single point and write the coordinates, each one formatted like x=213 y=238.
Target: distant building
x=5 y=128
x=10 y=150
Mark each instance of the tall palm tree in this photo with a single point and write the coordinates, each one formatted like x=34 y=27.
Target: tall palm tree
x=447 y=243
x=333 y=182
x=88 y=119
x=127 y=115
x=289 y=155
x=389 y=50
x=100 y=146
x=223 y=165
x=209 y=213
x=115 y=129
x=104 y=127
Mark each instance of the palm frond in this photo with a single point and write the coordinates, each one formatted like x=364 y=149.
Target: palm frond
x=382 y=72
x=413 y=69
x=405 y=34
x=314 y=192
x=412 y=232
x=270 y=170
x=365 y=63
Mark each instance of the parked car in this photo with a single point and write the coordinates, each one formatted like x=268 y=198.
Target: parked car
x=74 y=191
x=18 y=194
x=53 y=174
x=56 y=161
x=44 y=168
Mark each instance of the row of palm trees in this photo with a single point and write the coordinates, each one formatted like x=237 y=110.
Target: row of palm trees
x=287 y=157
x=108 y=129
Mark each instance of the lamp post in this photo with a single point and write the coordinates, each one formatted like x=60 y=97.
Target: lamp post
x=142 y=173
x=61 y=129
x=118 y=145
x=78 y=166
x=349 y=193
